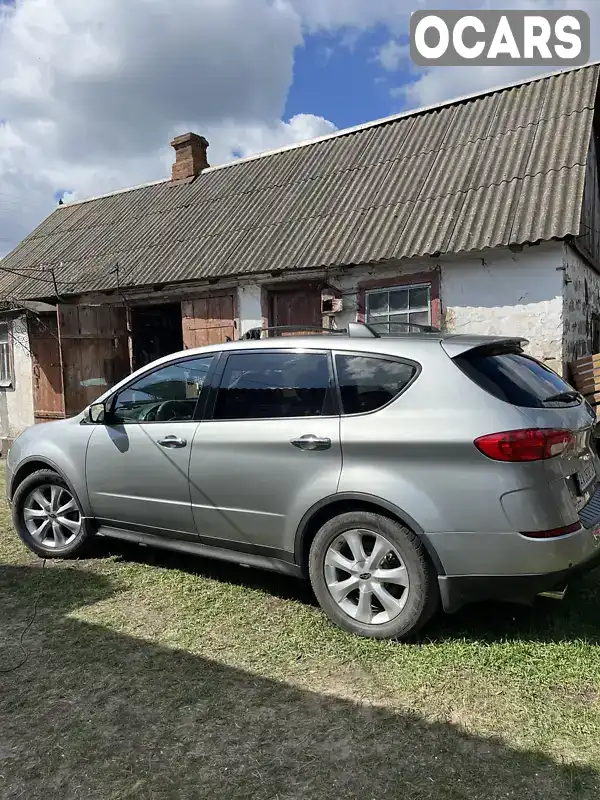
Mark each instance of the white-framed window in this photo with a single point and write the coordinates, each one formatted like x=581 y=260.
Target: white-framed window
x=394 y=309
x=6 y=373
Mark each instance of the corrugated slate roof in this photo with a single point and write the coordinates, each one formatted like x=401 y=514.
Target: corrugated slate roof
x=506 y=167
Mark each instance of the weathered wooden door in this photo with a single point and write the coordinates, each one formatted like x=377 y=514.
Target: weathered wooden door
x=48 y=401
x=299 y=305
x=208 y=320
x=95 y=352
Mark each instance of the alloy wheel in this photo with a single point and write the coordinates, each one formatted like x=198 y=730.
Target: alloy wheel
x=366 y=577
x=51 y=516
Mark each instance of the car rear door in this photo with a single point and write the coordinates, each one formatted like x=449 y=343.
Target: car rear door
x=268 y=449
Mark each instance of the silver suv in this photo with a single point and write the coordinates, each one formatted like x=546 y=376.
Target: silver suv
x=393 y=471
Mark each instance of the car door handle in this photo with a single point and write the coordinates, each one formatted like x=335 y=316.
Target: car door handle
x=312 y=442
x=172 y=442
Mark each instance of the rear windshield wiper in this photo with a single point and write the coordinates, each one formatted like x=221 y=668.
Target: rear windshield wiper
x=563 y=397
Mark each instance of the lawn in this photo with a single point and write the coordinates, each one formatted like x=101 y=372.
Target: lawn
x=151 y=675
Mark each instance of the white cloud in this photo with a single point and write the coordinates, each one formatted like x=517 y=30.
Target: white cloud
x=361 y=14
x=92 y=93
x=443 y=83
x=391 y=55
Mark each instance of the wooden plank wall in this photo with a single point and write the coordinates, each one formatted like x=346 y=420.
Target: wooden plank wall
x=48 y=400
x=585 y=375
x=208 y=320
x=95 y=352
x=299 y=305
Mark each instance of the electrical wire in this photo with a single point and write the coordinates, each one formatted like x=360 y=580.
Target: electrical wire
x=24 y=275
x=24 y=651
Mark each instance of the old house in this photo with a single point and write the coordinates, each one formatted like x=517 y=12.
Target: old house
x=479 y=214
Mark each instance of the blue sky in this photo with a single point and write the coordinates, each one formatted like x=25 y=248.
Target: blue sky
x=340 y=78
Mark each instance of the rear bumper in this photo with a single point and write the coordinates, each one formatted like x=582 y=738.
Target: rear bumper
x=457 y=591
x=522 y=567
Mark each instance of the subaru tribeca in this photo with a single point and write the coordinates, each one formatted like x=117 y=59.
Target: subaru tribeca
x=395 y=472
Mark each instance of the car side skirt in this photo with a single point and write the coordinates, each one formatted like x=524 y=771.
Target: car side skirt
x=195 y=546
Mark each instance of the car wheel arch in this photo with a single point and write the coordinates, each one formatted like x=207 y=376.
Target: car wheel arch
x=331 y=506
x=34 y=464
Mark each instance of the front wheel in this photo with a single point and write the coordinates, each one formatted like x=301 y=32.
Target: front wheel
x=372 y=576
x=48 y=518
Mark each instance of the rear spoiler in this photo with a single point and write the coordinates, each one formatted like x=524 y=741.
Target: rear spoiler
x=458 y=345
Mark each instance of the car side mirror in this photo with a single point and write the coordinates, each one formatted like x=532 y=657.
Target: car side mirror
x=97 y=413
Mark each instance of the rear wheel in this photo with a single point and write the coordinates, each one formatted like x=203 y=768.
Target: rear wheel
x=372 y=576
x=48 y=518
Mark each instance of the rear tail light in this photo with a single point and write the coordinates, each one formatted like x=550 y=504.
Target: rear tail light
x=554 y=533
x=532 y=444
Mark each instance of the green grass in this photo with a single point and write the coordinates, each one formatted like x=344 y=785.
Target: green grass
x=152 y=675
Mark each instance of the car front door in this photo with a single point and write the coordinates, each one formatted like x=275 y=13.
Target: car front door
x=137 y=463
x=268 y=449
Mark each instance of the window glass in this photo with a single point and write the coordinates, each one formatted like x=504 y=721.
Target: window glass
x=264 y=385
x=368 y=383
x=396 y=309
x=5 y=360
x=513 y=377
x=168 y=394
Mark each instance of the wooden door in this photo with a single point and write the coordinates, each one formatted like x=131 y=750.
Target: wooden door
x=48 y=402
x=208 y=320
x=95 y=352
x=300 y=305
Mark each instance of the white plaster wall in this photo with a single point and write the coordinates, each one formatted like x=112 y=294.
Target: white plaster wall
x=495 y=292
x=249 y=308
x=490 y=292
x=581 y=300
x=16 y=402
x=505 y=293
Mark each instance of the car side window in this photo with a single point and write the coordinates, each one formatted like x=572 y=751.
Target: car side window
x=267 y=385
x=168 y=394
x=368 y=382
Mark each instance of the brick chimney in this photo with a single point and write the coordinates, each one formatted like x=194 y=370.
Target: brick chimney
x=190 y=157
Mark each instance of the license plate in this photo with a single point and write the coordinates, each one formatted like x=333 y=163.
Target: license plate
x=586 y=477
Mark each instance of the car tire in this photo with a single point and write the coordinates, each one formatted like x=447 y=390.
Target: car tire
x=35 y=501
x=405 y=579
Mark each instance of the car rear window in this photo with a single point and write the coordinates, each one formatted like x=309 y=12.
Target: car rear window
x=368 y=383
x=514 y=377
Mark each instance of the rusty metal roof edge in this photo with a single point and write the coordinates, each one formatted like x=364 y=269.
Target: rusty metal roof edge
x=354 y=129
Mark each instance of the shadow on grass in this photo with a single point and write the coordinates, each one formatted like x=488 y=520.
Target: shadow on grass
x=284 y=586
x=95 y=714
x=575 y=617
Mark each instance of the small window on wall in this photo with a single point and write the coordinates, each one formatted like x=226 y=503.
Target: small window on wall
x=6 y=373
x=399 y=309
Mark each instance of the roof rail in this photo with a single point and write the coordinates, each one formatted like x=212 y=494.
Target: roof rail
x=403 y=327
x=354 y=329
